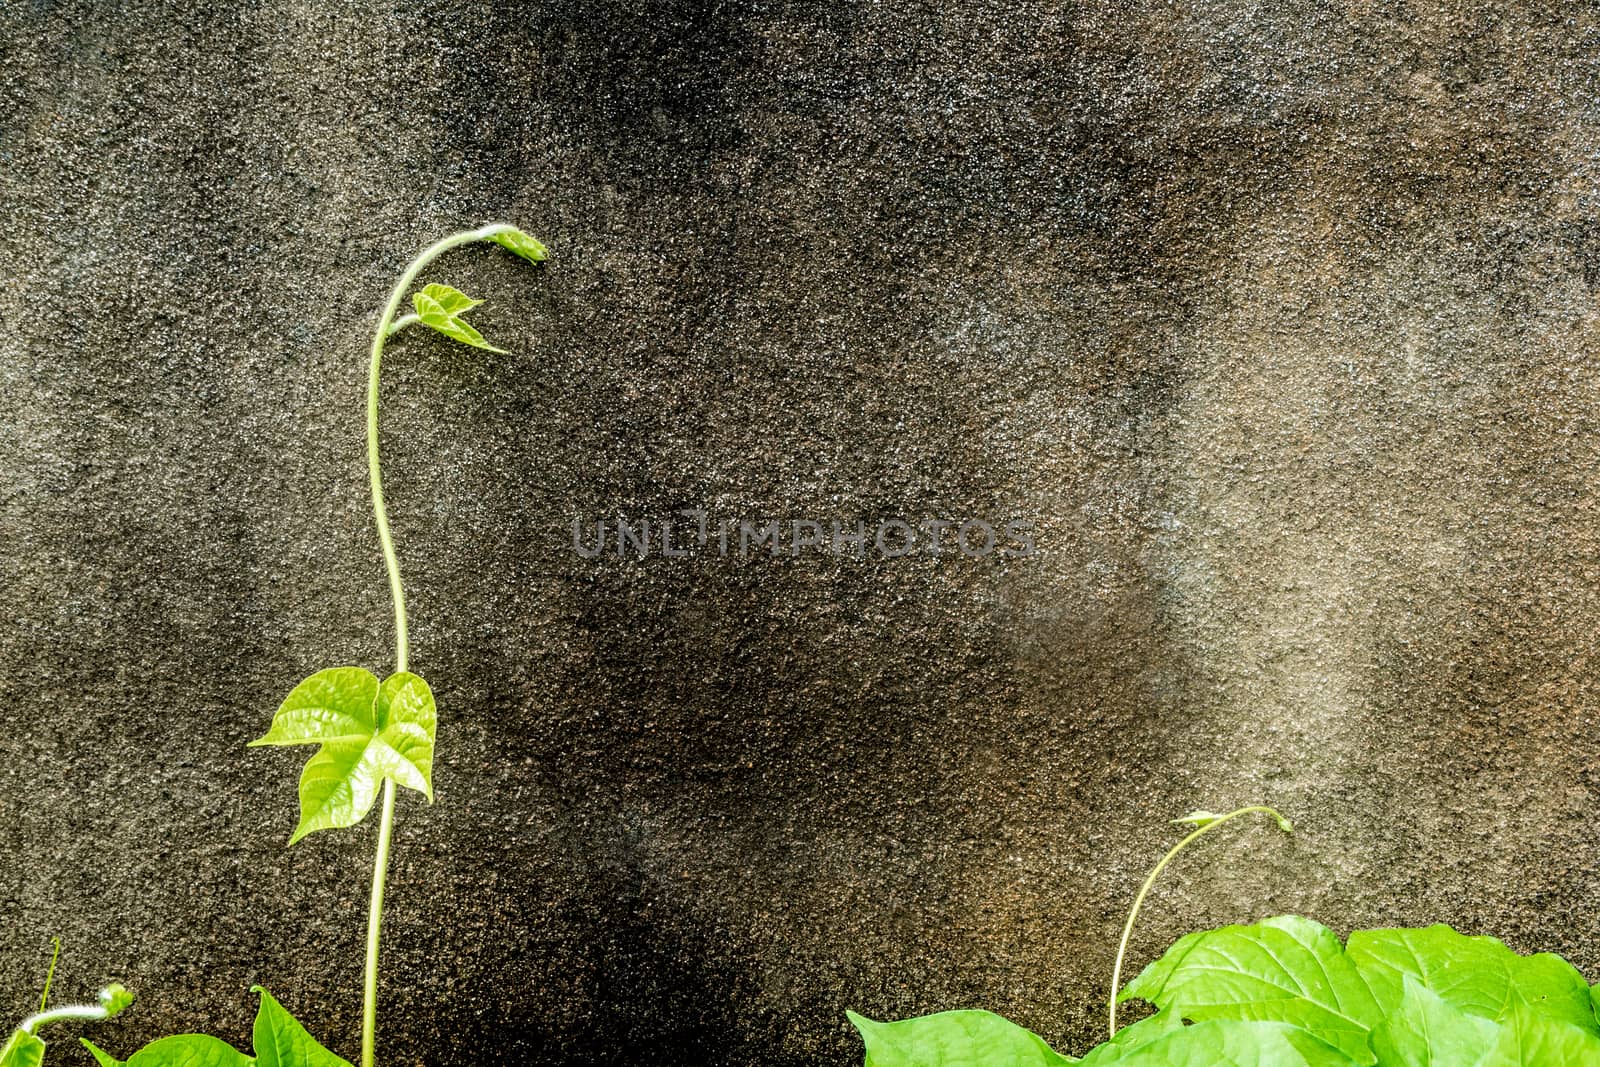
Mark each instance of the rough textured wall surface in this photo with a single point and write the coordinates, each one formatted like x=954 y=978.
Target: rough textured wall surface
x=1278 y=320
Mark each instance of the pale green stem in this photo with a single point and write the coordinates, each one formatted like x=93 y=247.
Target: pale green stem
x=380 y=869
x=388 y=326
x=55 y=1015
x=67 y=1011
x=49 y=976
x=1144 y=891
x=113 y=999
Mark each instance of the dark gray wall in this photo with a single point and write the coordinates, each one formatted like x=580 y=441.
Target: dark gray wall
x=1278 y=319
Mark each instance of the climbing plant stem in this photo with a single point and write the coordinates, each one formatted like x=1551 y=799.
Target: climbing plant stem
x=70 y=1011
x=1144 y=891
x=388 y=325
x=49 y=976
x=380 y=869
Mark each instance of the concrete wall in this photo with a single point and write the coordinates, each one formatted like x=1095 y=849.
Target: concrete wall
x=1277 y=320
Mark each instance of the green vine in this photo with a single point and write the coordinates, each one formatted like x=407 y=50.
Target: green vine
x=374 y=733
x=25 y=1048
x=1204 y=822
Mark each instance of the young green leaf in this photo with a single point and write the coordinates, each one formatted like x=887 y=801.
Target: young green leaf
x=1131 y=1037
x=1197 y=818
x=367 y=732
x=22 y=1050
x=101 y=1056
x=441 y=307
x=1477 y=975
x=1202 y=818
x=184 y=1050
x=1425 y=1031
x=115 y=999
x=1289 y=970
x=1224 y=1043
x=523 y=245
x=1529 y=1039
x=954 y=1039
x=280 y=1040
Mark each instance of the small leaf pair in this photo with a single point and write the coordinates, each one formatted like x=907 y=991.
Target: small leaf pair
x=369 y=733
x=279 y=1040
x=441 y=307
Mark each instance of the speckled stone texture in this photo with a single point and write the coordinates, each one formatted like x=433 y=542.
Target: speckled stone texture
x=1278 y=320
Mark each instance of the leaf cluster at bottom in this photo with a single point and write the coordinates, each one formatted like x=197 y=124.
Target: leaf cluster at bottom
x=279 y=1039
x=1286 y=993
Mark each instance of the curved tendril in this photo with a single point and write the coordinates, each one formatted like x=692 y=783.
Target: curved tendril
x=388 y=325
x=112 y=1000
x=1211 y=823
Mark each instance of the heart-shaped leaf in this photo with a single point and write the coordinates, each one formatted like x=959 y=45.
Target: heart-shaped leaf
x=281 y=1041
x=1289 y=970
x=183 y=1050
x=1226 y=1043
x=522 y=244
x=368 y=732
x=1131 y=1037
x=441 y=307
x=22 y=1050
x=1477 y=975
x=954 y=1039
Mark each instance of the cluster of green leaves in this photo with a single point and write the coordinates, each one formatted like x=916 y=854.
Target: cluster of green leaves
x=1286 y=993
x=441 y=307
x=280 y=1041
